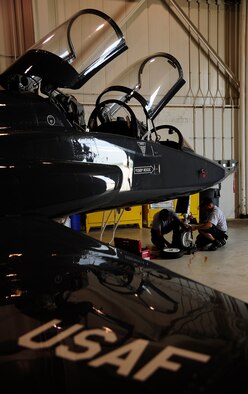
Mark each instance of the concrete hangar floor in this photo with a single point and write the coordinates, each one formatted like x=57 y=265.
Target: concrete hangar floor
x=225 y=269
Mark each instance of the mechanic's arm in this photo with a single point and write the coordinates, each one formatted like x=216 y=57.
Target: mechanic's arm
x=202 y=226
x=184 y=225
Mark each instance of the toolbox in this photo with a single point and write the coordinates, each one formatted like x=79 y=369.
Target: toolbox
x=133 y=246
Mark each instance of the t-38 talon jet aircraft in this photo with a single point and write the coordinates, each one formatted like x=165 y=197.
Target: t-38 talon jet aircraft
x=57 y=166
x=76 y=313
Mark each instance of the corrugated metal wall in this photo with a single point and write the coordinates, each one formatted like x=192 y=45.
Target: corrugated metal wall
x=16 y=29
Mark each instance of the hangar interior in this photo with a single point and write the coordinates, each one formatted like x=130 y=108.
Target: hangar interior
x=225 y=269
x=209 y=39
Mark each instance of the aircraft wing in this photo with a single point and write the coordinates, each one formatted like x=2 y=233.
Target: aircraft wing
x=78 y=313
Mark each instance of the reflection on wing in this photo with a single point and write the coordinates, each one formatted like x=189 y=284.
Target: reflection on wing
x=70 y=294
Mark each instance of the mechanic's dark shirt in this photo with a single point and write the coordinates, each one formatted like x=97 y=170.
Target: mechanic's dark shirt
x=164 y=225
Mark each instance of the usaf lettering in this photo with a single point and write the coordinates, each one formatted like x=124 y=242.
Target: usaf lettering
x=124 y=357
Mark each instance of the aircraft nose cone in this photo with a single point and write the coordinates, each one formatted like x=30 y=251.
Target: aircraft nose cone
x=229 y=166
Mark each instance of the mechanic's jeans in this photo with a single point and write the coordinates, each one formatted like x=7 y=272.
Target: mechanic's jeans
x=157 y=240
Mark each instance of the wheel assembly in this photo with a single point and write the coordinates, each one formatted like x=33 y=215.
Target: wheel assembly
x=171 y=253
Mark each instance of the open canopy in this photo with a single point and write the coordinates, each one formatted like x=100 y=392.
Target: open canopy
x=71 y=54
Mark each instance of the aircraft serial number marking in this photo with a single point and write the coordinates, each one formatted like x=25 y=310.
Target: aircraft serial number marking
x=124 y=357
x=144 y=170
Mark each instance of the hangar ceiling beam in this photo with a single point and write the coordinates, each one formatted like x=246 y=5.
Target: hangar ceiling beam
x=200 y=37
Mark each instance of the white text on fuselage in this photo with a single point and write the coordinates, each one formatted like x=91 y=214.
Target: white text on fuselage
x=124 y=358
x=146 y=170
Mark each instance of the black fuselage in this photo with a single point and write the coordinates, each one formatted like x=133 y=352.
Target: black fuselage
x=49 y=167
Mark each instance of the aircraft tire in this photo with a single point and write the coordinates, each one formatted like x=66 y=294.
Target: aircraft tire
x=172 y=253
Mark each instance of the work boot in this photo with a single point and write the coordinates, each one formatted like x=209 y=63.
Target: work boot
x=215 y=245
x=206 y=247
